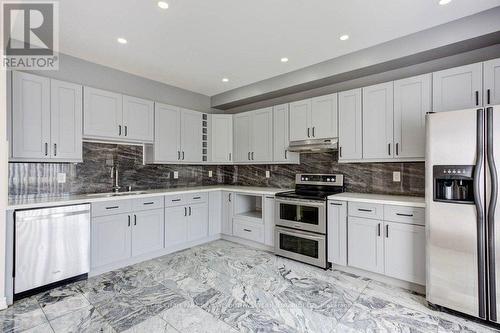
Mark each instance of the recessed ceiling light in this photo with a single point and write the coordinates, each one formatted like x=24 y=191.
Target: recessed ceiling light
x=284 y=59
x=344 y=37
x=162 y=4
x=122 y=40
x=225 y=79
x=444 y=2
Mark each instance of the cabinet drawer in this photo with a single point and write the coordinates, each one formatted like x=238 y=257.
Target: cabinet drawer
x=148 y=203
x=411 y=215
x=366 y=210
x=111 y=207
x=174 y=200
x=192 y=198
x=248 y=230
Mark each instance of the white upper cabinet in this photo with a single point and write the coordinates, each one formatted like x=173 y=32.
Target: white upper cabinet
x=66 y=121
x=191 y=136
x=281 y=131
x=300 y=113
x=492 y=82
x=262 y=135
x=222 y=138
x=314 y=118
x=412 y=100
x=350 y=125
x=30 y=116
x=167 y=138
x=378 y=121
x=138 y=119
x=241 y=130
x=324 y=117
x=457 y=88
x=102 y=114
x=46 y=119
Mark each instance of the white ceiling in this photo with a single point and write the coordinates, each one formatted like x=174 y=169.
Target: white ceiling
x=195 y=43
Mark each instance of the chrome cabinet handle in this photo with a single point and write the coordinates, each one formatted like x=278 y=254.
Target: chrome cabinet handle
x=386 y=231
x=230 y=197
x=190 y=211
x=183 y=155
x=365 y=210
x=112 y=207
x=249 y=156
x=397 y=148
x=308 y=132
x=252 y=156
x=119 y=129
x=407 y=215
x=286 y=157
x=247 y=230
x=230 y=156
x=128 y=216
x=135 y=219
x=174 y=200
x=488 y=92
x=126 y=131
x=335 y=204
x=389 y=149
x=378 y=229
x=340 y=151
x=55 y=149
x=148 y=203
x=314 y=135
x=178 y=155
x=185 y=211
x=46 y=148
x=477 y=97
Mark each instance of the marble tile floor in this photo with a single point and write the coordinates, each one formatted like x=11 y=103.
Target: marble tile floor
x=227 y=287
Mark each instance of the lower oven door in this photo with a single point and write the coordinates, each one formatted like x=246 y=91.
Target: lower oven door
x=302 y=246
x=305 y=215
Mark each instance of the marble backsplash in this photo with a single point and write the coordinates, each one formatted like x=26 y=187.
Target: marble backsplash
x=94 y=174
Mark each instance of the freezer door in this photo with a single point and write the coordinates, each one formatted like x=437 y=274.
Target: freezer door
x=455 y=240
x=492 y=209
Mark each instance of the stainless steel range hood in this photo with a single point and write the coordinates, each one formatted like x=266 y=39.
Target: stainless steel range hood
x=314 y=145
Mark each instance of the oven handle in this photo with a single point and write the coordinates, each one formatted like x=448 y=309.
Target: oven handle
x=299 y=233
x=302 y=202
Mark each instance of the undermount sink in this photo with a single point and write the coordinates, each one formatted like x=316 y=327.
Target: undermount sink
x=115 y=194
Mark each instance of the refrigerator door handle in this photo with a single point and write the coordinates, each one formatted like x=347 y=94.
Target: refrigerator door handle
x=491 y=213
x=480 y=214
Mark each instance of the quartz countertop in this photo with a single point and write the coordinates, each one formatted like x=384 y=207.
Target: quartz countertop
x=28 y=202
x=385 y=199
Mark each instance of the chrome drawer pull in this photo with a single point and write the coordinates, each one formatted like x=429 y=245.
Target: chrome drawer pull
x=247 y=230
x=112 y=207
x=365 y=210
x=174 y=200
x=148 y=203
x=195 y=198
x=335 y=204
x=407 y=215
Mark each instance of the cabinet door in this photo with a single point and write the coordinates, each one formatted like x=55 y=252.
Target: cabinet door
x=404 y=247
x=176 y=226
x=111 y=239
x=281 y=135
x=378 y=114
x=492 y=82
x=365 y=244
x=324 y=117
x=227 y=213
x=337 y=232
x=66 y=121
x=350 y=125
x=102 y=114
x=269 y=221
x=222 y=138
x=262 y=135
x=457 y=88
x=300 y=113
x=167 y=143
x=412 y=100
x=138 y=119
x=30 y=116
x=242 y=124
x=147 y=231
x=191 y=136
x=197 y=221
x=215 y=213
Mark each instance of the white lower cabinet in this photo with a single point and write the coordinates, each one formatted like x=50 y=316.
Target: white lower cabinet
x=337 y=232
x=176 y=228
x=147 y=231
x=227 y=213
x=248 y=230
x=111 y=239
x=365 y=244
x=197 y=221
x=404 y=247
x=269 y=220
x=214 y=213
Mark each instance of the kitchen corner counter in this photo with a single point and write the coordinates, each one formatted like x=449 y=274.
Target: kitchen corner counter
x=29 y=202
x=385 y=199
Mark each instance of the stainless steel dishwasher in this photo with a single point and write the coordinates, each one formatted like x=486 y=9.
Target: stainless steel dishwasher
x=51 y=245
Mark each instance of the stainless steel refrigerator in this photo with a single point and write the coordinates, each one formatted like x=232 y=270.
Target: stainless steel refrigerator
x=463 y=221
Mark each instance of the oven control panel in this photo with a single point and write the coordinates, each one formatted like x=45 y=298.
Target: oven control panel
x=320 y=179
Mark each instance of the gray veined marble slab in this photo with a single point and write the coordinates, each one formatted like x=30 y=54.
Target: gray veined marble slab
x=44 y=328
x=152 y=325
x=156 y=298
x=373 y=314
x=101 y=287
x=187 y=317
x=24 y=314
x=62 y=300
x=86 y=320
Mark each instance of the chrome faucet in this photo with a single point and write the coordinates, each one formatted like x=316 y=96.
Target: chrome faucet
x=116 y=187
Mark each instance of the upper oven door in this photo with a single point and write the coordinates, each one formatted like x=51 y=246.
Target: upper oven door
x=301 y=214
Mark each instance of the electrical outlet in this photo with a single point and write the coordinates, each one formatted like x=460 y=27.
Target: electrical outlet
x=210 y=174
x=396 y=176
x=176 y=174
x=268 y=174
x=61 y=177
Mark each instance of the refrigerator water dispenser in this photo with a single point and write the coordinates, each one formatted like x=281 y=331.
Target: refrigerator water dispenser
x=453 y=183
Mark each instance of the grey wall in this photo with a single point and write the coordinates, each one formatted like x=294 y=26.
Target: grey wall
x=463 y=35
x=90 y=74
